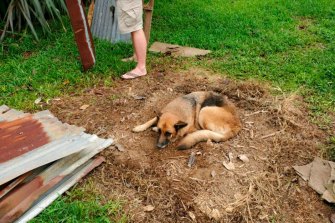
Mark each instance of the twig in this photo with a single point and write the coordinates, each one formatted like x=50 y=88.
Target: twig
x=196 y=179
x=255 y=113
x=272 y=134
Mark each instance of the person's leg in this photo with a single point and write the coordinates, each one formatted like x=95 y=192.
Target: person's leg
x=140 y=51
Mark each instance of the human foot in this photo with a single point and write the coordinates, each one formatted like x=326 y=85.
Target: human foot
x=134 y=74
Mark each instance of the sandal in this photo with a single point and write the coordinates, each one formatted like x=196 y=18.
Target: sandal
x=131 y=75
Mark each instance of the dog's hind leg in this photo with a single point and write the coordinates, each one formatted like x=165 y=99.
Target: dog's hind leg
x=145 y=126
x=200 y=136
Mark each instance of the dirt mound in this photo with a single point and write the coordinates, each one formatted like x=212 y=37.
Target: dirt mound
x=276 y=135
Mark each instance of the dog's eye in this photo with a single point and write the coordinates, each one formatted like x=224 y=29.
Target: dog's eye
x=167 y=134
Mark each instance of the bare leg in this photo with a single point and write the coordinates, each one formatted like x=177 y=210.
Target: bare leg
x=140 y=48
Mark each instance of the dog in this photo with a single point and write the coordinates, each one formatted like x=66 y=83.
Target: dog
x=195 y=117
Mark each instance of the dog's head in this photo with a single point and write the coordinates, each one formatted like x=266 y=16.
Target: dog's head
x=168 y=126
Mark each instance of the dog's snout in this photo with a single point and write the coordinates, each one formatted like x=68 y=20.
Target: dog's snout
x=162 y=145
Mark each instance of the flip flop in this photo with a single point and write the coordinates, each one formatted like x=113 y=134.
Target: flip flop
x=131 y=75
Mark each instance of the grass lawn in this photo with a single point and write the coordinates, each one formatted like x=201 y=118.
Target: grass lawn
x=290 y=44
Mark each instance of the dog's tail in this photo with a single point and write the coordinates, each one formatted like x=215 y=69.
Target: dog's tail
x=203 y=135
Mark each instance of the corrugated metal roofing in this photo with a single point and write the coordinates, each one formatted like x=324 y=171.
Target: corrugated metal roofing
x=33 y=142
x=104 y=24
x=59 y=189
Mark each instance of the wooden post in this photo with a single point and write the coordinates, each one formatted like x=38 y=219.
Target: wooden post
x=82 y=33
x=148 y=11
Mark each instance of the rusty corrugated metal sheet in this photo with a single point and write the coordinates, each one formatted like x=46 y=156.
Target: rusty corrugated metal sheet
x=19 y=201
x=59 y=189
x=34 y=141
x=20 y=136
x=31 y=137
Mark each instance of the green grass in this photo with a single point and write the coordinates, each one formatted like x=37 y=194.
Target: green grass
x=290 y=43
x=81 y=206
x=53 y=67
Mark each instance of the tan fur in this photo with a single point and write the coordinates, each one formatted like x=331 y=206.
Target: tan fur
x=188 y=118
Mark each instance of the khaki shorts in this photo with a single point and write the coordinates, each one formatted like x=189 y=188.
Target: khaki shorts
x=129 y=14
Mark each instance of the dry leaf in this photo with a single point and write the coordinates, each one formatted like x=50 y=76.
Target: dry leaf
x=38 y=100
x=216 y=214
x=138 y=97
x=119 y=147
x=213 y=173
x=83 y=107
x=148 y=208
x=231 y=157
x=191 y=160
x=229 y=166
x=244 y=158
x=229 y=209
x=192 y=216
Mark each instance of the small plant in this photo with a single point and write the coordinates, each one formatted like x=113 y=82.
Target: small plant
x=331 y=148
x=25 y=12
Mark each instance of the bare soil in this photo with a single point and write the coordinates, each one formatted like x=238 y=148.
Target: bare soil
x=276 y=135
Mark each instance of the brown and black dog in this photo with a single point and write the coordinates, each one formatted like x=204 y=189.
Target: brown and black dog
x=196 y=117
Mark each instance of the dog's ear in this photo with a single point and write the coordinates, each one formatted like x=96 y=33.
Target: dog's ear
x=180 y=125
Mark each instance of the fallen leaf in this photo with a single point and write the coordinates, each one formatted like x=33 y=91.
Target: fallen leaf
x=148 y=208
x=231 y=157
x=216 y=214
x=191 y=160
x=83 y=107
x=244 y=158
x=137 y=97
x=229 y=166
x=229 y=209
x=119 y=147
x=213 y=173
x=192 y=216
x=38 y=100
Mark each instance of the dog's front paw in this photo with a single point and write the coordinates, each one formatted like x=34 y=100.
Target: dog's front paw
x=139 y=128
x=155 y=129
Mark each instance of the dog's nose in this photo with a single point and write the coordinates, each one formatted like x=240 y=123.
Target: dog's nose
x=161 y=145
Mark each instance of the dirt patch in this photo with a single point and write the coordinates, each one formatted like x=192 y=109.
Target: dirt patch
x=276 y=135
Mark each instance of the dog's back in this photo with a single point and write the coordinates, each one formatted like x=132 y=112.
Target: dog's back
x=215 y=118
